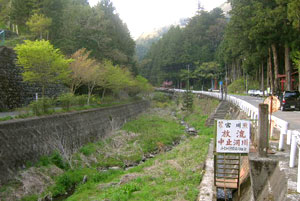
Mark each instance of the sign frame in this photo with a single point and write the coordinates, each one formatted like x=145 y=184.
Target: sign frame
x=232 y=136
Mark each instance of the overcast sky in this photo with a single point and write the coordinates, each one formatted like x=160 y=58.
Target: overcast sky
x=146 y=15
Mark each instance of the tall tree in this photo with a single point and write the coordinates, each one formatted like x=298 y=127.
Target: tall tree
x=39 y=25
x=43 y=64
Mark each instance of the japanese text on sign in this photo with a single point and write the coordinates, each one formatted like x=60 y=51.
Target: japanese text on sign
x=233 y=136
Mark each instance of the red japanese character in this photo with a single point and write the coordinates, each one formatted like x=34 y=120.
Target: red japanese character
x=237 y=142
x=226 y=133
x=229 y=142
x=241 y=134
x=221 y=141
x=245 y=142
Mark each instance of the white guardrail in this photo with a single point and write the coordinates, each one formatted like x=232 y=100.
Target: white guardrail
x=293 y=136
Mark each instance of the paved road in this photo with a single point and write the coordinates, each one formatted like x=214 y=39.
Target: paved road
x=16 y=113
x=5 y=114
x=293 y=117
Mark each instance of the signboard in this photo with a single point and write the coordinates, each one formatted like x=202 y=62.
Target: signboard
x=233 y=136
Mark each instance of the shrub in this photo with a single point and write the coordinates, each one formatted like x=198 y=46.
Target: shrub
x=161 y=97
x=70 y=179
x=57 y=160
x=94 y=100
x=6 y=118
x=188 y=101
x=41 y=106
x=66 y=101
x=108 y=99
x=80 y=100
x=88 y=149
x=30 y=198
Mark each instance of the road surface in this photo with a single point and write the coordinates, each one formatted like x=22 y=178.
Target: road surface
x=293 y=117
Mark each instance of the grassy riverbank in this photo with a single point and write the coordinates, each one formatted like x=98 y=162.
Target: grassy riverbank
x=113 y=168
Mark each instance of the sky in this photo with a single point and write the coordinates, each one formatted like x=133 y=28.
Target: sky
x=143 y=16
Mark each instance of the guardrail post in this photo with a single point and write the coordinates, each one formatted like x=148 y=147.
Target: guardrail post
x=293 y=151
x=298 y=175
x=288 y=137
x=283 y=131
x=263 y=124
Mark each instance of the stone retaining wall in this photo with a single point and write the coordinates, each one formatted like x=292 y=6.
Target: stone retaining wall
x=27 y=140
x=14 y=92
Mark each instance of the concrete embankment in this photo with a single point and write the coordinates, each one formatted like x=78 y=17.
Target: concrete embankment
x=26 y=140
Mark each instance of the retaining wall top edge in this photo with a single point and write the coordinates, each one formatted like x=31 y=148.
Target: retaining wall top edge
x=66 y=114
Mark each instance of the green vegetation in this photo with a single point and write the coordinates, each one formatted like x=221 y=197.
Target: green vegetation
x=195 y=46
x=30 y=198
x=41 y=106
x=105 y=66
x=138 y=138
x=170 y=176
x=155 y=132
x=256 y=42
x=70 y=25
x=188 y=101
x=98 y=169
x=238 y=86
x=39 y=25
x=54 y=159
x=43 y=64
x=144 y=43
x=202 y=109
x=6 y=118
x=66 y=103
x=174 y=175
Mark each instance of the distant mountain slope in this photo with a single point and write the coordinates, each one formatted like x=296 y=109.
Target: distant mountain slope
x=226 y=7
x=144 y=42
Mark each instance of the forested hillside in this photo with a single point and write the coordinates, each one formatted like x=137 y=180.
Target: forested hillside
x=258 y=43
x=71 y=25
x=192 y=45
x=145 y=41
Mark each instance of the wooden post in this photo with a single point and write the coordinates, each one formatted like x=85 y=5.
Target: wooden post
x=263 y=137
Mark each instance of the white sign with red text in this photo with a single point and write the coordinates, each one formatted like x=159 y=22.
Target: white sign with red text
x=233 y=136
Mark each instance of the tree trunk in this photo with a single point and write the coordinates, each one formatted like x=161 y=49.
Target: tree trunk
x=259 y=74
x=238 y=69
x=275 y=57
x=103 y=92
x=262 y=79
x=268 y=76
x=299 y=82
x=90 y=91
x=88 y=99
x=287 y=65
x=270 y=72
x=233 y=71
x=72 y=88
